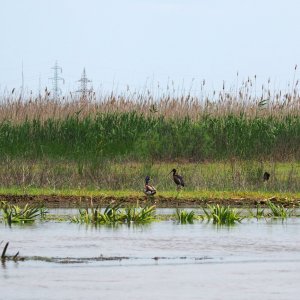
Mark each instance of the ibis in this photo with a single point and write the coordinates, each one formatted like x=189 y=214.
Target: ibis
x=177 y=179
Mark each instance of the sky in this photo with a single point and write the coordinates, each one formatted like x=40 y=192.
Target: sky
x=140 y=43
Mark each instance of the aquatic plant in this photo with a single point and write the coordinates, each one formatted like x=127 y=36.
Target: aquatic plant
x=222 y=215
x=43 y=211
x=15 y=214
x=258 y=213
x=113 y=215
x=185 y=217
x=138 y=215
x=278 y=211
x=2 y=203
x=83 y=217
x=110 y=215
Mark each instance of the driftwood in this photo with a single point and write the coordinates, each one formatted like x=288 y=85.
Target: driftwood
x=72 y=260
x=5 y=257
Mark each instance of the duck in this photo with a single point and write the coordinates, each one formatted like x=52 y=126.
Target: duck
x=177 y=179
x=149 y=190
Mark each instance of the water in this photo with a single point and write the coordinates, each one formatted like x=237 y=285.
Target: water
x=159 y=211
x=253 y=259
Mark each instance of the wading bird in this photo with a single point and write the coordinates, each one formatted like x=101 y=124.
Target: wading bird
x=149 y=190
x=266 y=176
x=177 y=179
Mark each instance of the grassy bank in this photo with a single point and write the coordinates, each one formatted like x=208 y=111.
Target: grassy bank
x=132 y=194
x=232 y=176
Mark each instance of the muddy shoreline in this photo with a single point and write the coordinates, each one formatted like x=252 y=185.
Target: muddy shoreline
x=58 y=201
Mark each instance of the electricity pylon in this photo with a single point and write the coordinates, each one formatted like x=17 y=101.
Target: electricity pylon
x=84 y=90
x=55 y=80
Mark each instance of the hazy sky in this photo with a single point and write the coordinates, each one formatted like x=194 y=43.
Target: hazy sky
x=136 y=42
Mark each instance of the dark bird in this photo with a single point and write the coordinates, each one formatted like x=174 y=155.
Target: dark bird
x=149 y=190
x=266 y=176
x=177 y=179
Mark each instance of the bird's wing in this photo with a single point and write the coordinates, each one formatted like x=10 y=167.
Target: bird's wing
x=181 y=180
x=150 y=188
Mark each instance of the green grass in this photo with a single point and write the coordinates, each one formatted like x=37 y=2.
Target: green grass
x=134 y=136
x=184 y=195
x=25 y=176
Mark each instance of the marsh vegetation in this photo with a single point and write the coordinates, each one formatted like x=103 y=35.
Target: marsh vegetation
x=15 y=214
x=220 y=141
x=116 y=214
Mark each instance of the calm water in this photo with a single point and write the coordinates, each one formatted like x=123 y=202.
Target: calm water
x=199 y=261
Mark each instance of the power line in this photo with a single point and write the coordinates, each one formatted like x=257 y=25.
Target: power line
x=55 y=80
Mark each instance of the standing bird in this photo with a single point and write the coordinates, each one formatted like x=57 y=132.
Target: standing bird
x=266 y=176
x=177 y=179
x=149 y=190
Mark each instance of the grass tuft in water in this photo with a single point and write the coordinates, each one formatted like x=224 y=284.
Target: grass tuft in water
x=279 y=211
x=185 y=217
x=43 y=212
x=258 y=213
x=113 y=215
x=110 y=216
x=15 y=214
x=222 y=215
x=138 y=215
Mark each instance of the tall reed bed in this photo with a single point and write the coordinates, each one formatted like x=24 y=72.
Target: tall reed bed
x=134 y=136
x=244 y=122
x=248 y=96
